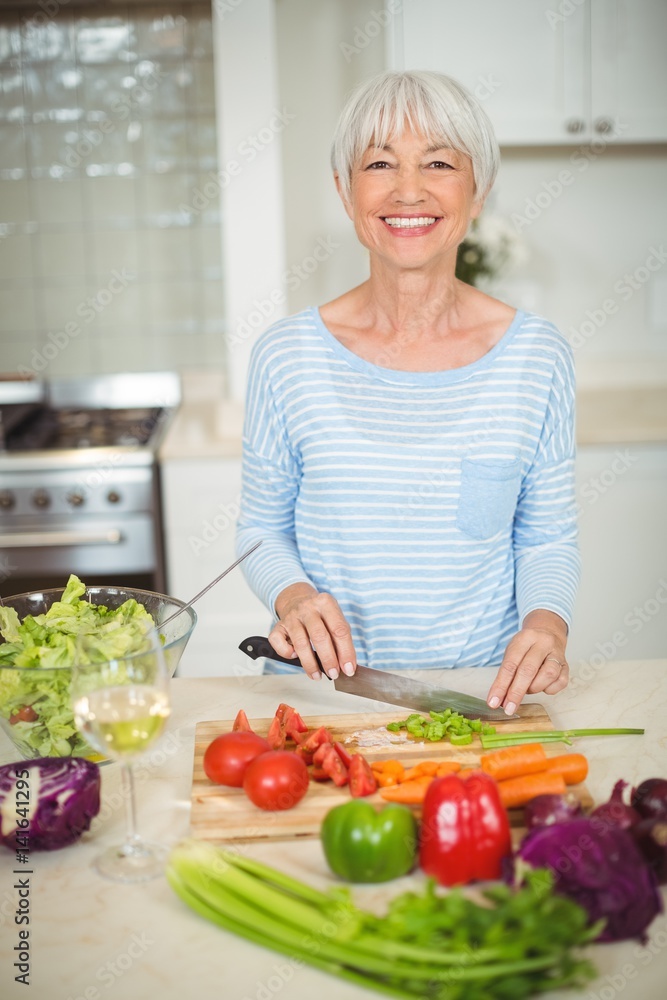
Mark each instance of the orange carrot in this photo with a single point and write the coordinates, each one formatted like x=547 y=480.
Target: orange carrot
x=389 y=767
x=517 y=791
x=467 y=771
x=410 y=793
x=421 y=768
x=448 y=767
x=572 y=766
x=386 y=778
x=512 y=762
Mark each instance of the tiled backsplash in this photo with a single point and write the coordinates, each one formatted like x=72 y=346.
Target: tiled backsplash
x=110 y=253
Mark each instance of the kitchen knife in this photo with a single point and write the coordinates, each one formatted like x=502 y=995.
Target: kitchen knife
x=381 y=685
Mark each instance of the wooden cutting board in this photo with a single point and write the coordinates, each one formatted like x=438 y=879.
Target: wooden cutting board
x=221 y=814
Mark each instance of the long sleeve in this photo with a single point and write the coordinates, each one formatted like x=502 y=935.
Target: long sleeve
x=545 y=525
x=270 y=482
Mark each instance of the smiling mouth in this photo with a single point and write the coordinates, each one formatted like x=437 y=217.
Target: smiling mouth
x=403 y=222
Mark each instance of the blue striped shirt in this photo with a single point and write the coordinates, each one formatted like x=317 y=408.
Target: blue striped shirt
x=437 y=507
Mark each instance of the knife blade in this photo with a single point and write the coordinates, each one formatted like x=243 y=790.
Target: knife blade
x=382 y=685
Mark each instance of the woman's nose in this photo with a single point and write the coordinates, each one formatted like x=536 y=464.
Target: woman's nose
x=409 y=185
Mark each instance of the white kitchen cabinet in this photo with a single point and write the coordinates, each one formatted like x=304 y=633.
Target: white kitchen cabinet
x=201 y=504
x=547 y=71
x=621 y=609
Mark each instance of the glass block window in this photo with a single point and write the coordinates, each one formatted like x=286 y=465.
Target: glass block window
x=110 y=251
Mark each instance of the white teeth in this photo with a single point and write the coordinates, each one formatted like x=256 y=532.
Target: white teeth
x=401 y=223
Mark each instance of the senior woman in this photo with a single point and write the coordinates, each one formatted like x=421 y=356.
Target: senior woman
x=408 y=447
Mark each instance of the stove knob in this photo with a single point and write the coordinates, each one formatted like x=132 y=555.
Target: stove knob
x=7 y=500
x=75 y=499
x=114 y=497
x=41 y=498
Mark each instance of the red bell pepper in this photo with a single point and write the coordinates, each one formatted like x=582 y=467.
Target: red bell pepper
x=465 y=831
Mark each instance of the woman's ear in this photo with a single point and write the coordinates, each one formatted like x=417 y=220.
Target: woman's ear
x=476 y=208
x=339 y=188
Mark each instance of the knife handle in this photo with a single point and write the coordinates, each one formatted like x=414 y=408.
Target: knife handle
x=256 y=646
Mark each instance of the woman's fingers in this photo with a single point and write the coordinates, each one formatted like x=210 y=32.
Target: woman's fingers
x=533 y=662
x=316 y=624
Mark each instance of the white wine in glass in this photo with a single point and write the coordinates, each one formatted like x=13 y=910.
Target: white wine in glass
x=121 y=707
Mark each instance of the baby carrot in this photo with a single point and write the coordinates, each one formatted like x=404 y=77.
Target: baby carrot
x=386 y=778
x=511 y=762
x=572 y=766
x=410 y=793
x=448 y=767
x=517 y=791
x=423 y=767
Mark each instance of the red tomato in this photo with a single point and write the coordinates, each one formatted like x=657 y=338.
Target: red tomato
x=316 y=738
x=227 y=756
x=275 y=736
x=241 y=723
x=276 y=780
x=362 y=780
x=25 y=714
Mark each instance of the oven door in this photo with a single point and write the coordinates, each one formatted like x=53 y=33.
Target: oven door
x=97 y=549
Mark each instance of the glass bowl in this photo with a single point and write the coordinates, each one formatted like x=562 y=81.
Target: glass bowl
x=53 y=733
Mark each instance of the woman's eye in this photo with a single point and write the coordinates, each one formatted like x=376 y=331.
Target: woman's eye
x=441 y=165
x=377 y=164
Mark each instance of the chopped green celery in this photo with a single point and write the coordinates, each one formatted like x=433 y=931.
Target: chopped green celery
x=460 y=739
x=394 y=727
x=475 y=725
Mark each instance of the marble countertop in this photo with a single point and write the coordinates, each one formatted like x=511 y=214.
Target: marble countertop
x=91 y=939
x=207 y=426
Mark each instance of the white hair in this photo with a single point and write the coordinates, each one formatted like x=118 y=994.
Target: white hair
x=432 y=104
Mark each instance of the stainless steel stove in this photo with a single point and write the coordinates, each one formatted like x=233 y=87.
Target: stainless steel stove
x=80 y=480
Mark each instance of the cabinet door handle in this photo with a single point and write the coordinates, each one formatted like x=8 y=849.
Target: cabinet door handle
x=604 y=126
x=575 y=125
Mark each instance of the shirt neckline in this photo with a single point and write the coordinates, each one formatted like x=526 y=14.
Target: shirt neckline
x=401 y=377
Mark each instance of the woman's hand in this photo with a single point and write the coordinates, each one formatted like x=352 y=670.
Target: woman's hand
x=534 y=661
x=313 y=620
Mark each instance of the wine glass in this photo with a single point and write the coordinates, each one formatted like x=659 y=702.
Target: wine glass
x=121 y=706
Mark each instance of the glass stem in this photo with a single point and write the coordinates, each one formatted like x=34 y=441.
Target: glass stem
x=132 y=838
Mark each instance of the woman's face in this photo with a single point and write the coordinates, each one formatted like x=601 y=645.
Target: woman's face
x=411 y=203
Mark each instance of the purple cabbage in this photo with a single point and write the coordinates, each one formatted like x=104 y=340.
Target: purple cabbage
x=600 y=867
x=48 y=802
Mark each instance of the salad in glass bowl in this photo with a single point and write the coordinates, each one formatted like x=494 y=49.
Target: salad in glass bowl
x=41 y=633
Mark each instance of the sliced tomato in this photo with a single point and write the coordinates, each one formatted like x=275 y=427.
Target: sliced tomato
x=275 y=736
x=241 y=724
x=334 y=766
x=319 y=774
x=343 y=754
x=306 y=757
x=300 y=738
x=362 y=779
x=316 y=738
x=25 y=714
x=282 y=710
x=294 y=725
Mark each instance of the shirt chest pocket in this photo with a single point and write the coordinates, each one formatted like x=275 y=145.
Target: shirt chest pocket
x=488 y=496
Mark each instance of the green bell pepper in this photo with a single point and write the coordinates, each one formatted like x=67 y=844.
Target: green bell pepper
x=363 y=845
